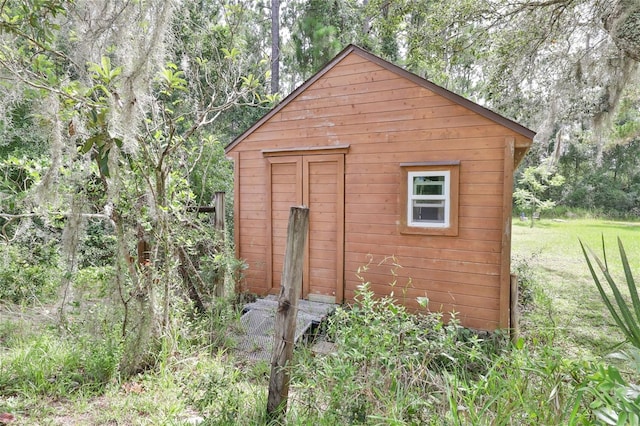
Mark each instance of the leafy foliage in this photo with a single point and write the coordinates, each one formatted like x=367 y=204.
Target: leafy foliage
x=29 y=275
x=626 y=316
x=531 y=188
x=612 y=188
x=617 y=401
x=382 y=349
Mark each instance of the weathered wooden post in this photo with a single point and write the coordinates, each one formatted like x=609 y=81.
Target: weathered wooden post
x=218 y=224
x=218 y=204
x=514 y=310
x=285 y=322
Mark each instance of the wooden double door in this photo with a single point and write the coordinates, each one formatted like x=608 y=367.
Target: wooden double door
x=315 y=181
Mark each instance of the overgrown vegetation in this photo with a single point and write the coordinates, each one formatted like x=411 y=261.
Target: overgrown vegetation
x=388 y=366
x=113 y=118
x=50 y=365
x=383 y=350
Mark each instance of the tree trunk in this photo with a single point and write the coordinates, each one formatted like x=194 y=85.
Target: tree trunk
x=275 y=46
x=366 y=23
x=148 y=310
x=70 y=242
x=138 y=351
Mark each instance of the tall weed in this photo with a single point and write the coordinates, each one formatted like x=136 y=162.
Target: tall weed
x=224 y=397
x=46 y=364
x=388 y=365
x=394 y=367
x=521 y=387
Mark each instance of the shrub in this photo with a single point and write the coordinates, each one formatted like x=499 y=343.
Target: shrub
x=98 y=248
x=616 y=400
x=527 y=279
x=388 y=364
x=26 y=275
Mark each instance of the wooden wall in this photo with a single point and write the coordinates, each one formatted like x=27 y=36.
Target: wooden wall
x=387 y=119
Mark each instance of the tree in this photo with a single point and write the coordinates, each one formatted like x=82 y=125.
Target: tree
x=532 y=185
x=120 y=109
x=562 y=67
x=561 y=56
x=559 y=66
x=315 y=38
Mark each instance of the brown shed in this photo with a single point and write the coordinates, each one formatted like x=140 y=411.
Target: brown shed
x=389 y=164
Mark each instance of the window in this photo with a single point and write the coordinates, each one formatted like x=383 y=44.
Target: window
x=430 y=200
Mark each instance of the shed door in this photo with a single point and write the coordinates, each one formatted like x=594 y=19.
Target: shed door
x=316 y=181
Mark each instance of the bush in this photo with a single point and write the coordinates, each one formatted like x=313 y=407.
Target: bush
x=94 y=282
x=28 y=274
x=98 y=248
x=388 y=364
x=527 y=279
x=616 y=400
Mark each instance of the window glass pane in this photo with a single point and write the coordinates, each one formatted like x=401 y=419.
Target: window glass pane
x=428 y=211
x=428 y=185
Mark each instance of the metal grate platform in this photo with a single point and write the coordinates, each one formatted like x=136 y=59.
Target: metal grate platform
x=258 y=323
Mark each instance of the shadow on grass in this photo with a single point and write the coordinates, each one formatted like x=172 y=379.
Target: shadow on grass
x=621 y=226
x=543 y=224
x=602 y=343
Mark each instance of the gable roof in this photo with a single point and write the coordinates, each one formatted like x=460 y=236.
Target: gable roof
x=453 y=97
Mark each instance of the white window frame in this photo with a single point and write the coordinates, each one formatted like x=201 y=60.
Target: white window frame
x=445 y=198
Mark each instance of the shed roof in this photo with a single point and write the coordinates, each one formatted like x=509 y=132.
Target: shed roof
x=479 y=109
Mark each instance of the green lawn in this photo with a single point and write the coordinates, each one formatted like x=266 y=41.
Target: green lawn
x=574 y=316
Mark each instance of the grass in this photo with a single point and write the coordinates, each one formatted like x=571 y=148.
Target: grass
x=391 y=367
x=40 y=385
x=575 y=313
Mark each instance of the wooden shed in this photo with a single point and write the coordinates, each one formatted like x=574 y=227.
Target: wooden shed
x=389 y=164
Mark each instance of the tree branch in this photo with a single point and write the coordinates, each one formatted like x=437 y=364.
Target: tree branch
x=8 y=216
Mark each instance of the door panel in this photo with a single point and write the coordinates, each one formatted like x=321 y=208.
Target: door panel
x=316 y=181
x=285 y=190
x=323 y=193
